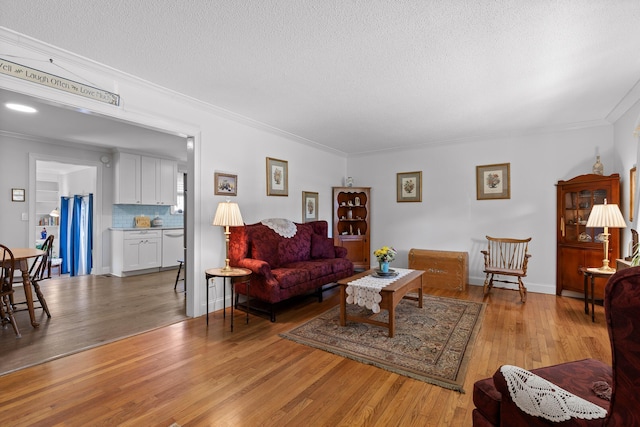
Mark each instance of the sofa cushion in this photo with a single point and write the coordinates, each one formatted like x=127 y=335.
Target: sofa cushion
x=338 y=265
x=297 y=248
x=322 y=247
x=290 y=277
x=316 y=269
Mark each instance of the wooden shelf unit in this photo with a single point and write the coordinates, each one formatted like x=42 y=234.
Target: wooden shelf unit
x=351 y=223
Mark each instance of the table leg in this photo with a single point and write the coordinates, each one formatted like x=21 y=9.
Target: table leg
x=224 y=297
x=392 y=317
x=248 y=284
x=593 y=299
x=586 y=293
x=206 y=284
x=28 y=293
x=231 y=281
x=420 y=292
x=343 y=305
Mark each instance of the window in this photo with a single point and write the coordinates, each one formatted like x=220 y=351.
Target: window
x=178 y=209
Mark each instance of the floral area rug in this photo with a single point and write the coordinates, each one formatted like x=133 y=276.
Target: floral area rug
x=431 y=344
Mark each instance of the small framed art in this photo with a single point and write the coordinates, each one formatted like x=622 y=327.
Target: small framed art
x=17 y=195
x=409 y=186
x=277 y=177
x=309 y=206
x=225 y=184
x=493 y=181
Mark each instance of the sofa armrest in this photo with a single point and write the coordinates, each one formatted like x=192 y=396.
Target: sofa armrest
x=568 y=388
x=340 y=252
x=256 y=266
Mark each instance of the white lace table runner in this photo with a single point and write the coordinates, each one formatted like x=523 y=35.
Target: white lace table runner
x=365 y=291
x=538 y=397
x=284 y=227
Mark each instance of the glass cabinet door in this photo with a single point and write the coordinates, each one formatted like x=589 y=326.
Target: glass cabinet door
x=577 y=208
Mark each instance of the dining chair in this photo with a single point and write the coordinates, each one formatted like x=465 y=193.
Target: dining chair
x=6 y=288
x=41 y=270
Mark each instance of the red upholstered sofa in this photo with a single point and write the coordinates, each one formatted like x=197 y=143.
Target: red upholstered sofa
x=285 y=267
x=583 y=378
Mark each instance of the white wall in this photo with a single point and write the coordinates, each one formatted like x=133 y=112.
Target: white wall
x=626 y=157
x=450 y=217
x=80 y=182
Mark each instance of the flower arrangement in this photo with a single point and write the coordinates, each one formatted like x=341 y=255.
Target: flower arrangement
x=385 y=254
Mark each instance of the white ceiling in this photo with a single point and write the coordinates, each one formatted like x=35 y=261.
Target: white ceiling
x=367 y=75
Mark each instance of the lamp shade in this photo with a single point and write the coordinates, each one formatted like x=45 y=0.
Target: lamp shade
x=228 y=214
x=55 y=213
x=606 y=216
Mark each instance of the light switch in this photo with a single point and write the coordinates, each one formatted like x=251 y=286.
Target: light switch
x=25 y=216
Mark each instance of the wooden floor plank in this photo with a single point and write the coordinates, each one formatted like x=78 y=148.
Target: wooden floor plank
x=196 y=375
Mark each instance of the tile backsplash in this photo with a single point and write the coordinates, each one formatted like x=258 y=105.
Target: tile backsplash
x=123 y=215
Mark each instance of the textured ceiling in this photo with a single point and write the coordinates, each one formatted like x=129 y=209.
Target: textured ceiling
x=366 y=75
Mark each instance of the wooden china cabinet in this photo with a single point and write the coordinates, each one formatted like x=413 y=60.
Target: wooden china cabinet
x=351 y=223
x=579 y=246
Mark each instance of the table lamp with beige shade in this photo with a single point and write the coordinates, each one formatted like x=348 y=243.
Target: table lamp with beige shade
x=227 y=215
x=606 y=216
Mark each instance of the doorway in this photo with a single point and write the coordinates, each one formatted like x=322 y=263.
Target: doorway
x=55 y=180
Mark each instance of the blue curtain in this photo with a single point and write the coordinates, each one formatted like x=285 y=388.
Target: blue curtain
x=65 y=252
x=76 y=234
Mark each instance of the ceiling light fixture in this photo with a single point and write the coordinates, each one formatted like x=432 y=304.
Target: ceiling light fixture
x=20 y=107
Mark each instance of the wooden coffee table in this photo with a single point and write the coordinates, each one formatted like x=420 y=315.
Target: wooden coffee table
x=391 y=296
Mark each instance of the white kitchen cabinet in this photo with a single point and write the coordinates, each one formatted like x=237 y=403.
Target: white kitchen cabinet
x=135 y=250
x=159 y=181
x=142 y=180
x=127 y=173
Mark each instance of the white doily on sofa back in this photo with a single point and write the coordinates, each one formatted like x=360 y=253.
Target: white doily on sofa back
x=538 y=397
x=284 y=227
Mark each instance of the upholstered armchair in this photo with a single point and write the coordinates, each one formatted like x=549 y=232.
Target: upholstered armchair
x=581 y=393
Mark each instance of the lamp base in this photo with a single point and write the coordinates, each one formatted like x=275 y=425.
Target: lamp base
x=605 y=267
x=227 y=268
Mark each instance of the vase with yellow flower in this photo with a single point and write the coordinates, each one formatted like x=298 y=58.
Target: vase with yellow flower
x=385 y=255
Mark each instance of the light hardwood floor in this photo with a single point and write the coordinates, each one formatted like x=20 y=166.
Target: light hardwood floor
x=196 y=375
x=89 y=311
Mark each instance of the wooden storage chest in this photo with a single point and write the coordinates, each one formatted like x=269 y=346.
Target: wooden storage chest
x=443 y=269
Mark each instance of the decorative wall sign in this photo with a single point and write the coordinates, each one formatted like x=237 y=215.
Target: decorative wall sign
x=277 y=177
x=50 y=80
x=17 y=195
x=493 y=182
x=409 y=186
x=309 y=206
x=225 y=184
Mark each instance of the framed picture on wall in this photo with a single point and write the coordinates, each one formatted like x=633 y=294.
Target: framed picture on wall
x=493 y=181
x=409 y=186
x=277 y=177
x=309 y=206
x=17 y=195
x=225 y=184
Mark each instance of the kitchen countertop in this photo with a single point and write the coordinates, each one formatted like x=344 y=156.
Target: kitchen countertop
x=148 y=228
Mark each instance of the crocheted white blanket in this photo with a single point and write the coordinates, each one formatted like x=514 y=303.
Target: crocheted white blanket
x=538 y=397
x=365 y=291
x=283 y=227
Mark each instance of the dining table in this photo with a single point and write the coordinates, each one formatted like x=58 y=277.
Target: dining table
x=21 y=258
